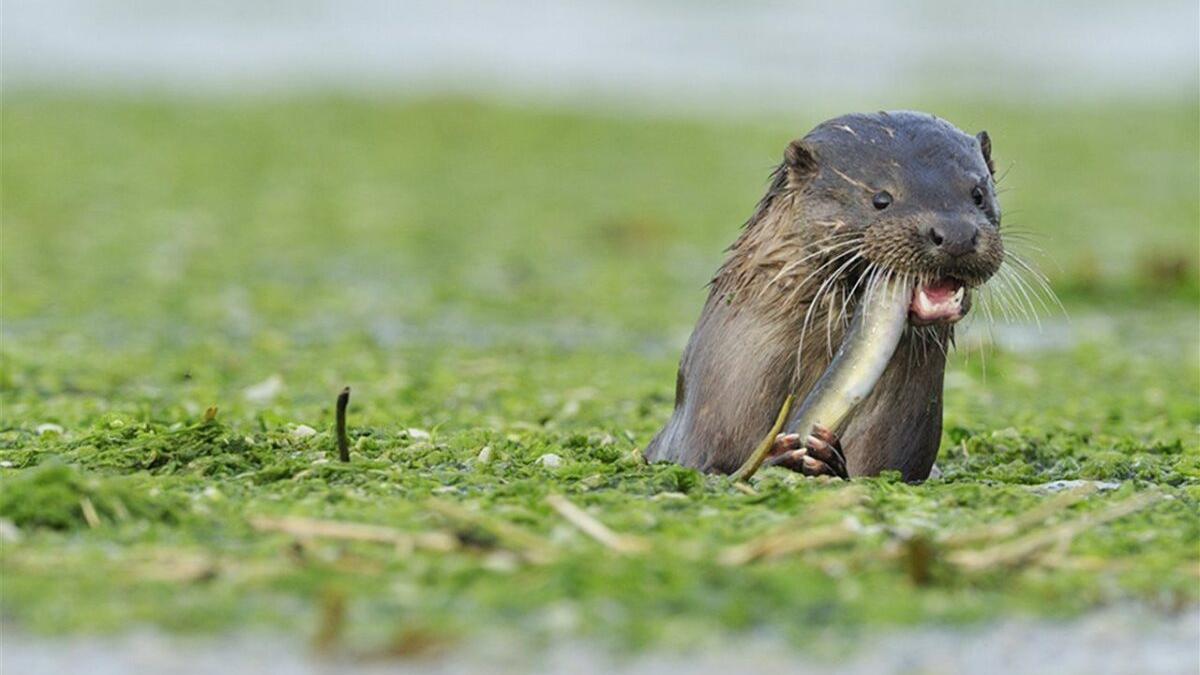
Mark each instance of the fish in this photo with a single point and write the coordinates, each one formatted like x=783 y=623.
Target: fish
x=861 y=358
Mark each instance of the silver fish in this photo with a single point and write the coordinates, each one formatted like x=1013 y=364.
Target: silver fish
x=858 y=364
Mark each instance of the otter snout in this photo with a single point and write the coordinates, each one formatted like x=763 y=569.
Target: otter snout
x=952 y=237
x=958 y=253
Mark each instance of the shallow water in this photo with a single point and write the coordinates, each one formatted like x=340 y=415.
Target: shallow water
x=1119 y=640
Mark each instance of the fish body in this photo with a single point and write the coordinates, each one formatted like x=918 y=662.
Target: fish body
x=860 y=361
x=864 y=353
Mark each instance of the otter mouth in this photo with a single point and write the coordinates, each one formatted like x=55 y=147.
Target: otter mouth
x=941 y=300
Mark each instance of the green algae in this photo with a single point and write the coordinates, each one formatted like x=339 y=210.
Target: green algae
x=259 y=257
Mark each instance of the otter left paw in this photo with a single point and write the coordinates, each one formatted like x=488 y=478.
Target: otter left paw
x=819 y=454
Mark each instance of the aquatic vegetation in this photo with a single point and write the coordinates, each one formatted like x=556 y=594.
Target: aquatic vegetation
x=506 y=291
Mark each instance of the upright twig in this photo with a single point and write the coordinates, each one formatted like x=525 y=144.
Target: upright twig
x=333 y=621
x=343 y=442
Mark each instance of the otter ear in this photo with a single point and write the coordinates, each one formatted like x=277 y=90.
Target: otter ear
x=985 y=145
x=800 y=159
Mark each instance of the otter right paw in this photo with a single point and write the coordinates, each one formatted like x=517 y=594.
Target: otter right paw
x=819 y=454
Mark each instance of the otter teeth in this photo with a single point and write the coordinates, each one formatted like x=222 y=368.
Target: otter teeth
x=938 y=301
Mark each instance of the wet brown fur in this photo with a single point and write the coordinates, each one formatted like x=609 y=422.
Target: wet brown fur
x=760 y=336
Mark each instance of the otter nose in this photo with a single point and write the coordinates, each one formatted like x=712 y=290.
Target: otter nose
x=954 y=238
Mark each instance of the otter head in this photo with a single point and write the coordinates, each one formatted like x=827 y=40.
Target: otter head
x=912 y=196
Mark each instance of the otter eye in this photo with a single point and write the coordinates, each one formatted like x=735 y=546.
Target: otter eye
x=882 y=200
x=977 y=195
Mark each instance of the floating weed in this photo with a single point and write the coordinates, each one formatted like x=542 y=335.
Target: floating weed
x=205 y=449
x=1037 y=456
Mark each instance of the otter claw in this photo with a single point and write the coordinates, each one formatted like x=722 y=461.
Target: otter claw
x=824 y=434
x=827 y=447
x=785 y=443
x=819 y=454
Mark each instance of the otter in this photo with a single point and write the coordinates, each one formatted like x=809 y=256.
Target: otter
x=901 y=194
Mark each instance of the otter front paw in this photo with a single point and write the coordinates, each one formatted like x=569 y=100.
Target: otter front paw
x=818 y=454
